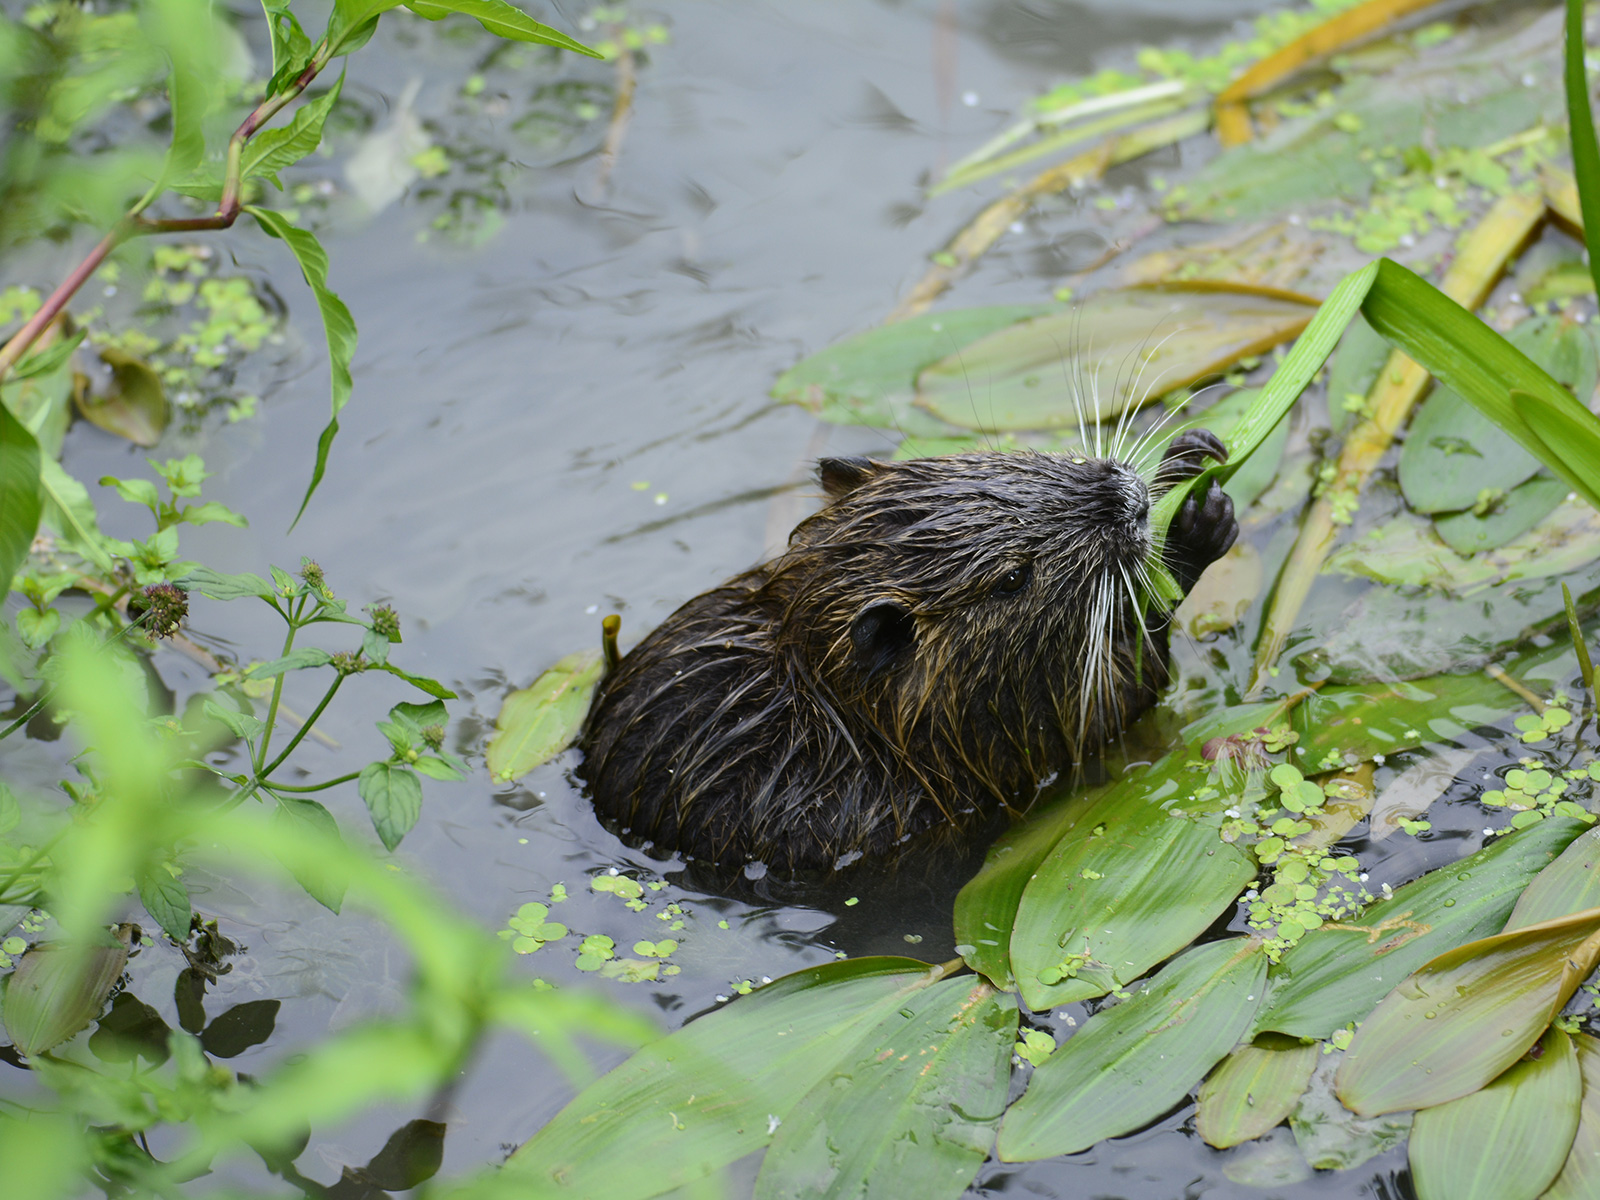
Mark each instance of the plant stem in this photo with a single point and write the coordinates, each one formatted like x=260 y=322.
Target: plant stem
x=303 y=730
x=277 y=695
x=311 y=787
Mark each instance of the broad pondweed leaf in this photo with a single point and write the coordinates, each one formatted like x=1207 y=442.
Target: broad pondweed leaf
x=870 y=379
x=1569 y=885
x=58 y=989
x=911 y=1111
x=1336 y=974
x=718 y=1088
x=1107 y=903
x=1116 y=349
x=393 y=795
x=1580 y=1175
x=1129 y=1064
x=1358 y=722
x=1508 y=518
x=1454 y=453
x=1507 y=1141
x=20 y=503
x=1330 y=1136
x=1353 y=370
x=986 y=908
x=134 y=404
x=1465 y=1016
x=1273 y=1161
x=1405 y=550
x=1253 y=1089
x=540 y=721
x=322 y=882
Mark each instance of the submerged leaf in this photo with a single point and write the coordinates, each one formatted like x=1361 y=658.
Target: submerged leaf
x=911 y=1112
x=1334 y=975
x=1117 y=349
x=1467 y=1015
x=1253 y=1089
x=1131 y=1063
x=1507 y=1141
x=540 y=721
x=1333 y=1138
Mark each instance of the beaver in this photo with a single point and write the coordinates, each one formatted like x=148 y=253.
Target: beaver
x=942 y=637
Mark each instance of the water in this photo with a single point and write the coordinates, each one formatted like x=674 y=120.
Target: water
x=572 y=420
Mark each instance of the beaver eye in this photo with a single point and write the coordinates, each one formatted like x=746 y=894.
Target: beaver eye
x=1014 y=580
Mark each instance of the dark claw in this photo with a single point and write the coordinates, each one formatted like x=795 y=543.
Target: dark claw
x=1200 y=533
x=1185 y=457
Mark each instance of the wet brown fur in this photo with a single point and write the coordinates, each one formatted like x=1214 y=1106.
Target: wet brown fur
x=888 y=673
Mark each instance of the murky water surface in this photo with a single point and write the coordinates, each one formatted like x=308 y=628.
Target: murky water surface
x=571 y=419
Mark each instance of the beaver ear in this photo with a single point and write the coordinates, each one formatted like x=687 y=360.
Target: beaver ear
x=842 y=475
x=881 y=634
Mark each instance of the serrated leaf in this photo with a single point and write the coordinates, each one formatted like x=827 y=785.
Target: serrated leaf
x=540 y=721
x=393 y=795
x=20 y=501
x=325 y=885
x=242 y=724
x=37 y=626
x=224 y=587
x=337 y=324
x=210 y=512
x=135 y=491
x=167 y=900
x=911 y=1112
x=1507 y=1141
x=295 y=660
x=438 y=768
x=1254 y=1089
x=1129 y=1064
x=432 y=686
x=1467 y=1015
x=274 y=149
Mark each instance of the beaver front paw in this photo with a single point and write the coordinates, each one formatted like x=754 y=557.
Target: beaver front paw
x=1201 y=532
x=1186 y=457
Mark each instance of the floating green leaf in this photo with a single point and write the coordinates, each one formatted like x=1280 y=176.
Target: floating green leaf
x=1335 y=974
x=1036 y=374
x=20 y=504
x=911 y=1111
x=337 y=324
x=1106 y=904
x=1353 y=371
x=1507 y=1141
x=1131 y=1063
x=57 y=990
x=1253 y=1089
x=1512 y=516
x=1580 y=1177
x=870 y=378
x=540 y=721
x=134 y=406
x=1464 y=1017
x=1569 y=885
x=1368 y=719
x=718 y=1088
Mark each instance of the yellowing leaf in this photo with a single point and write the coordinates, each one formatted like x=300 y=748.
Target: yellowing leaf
x=540 y=721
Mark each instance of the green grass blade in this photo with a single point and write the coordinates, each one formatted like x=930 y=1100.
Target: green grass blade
x=337 y=323
x=1580 y=120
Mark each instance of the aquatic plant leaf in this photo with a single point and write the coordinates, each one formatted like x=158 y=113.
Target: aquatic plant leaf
x=1580 y=126
x=1368 y=719
x=870 y=379
x=541 y=720
x=1569 y=885
x=1129 y=1064
x=224 y=587
x=986 y=908
x=1336 y=974
x=135 y=406
x=295 y=660
x=1507 y=1141
x=1526 y=505
x=1330 y=1136
x=165 y=898
x=233 y=1032
x=20 y=503
x=323 y=882
x=1406 y=551
x=1467 y=1015
x=338 y=325
x=708 y=1094
x=69 y=511
x=1116 y=349
x=1108 y=902
x=503 y=20
x=432 y=686
x=1580 y=1176
x=58 y=989
x=274 y=149
x=1253 y=1089
x=911 y=1111
x=393 y=795
x=291 y=47
x=1453 y=452
x=1353 y=370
